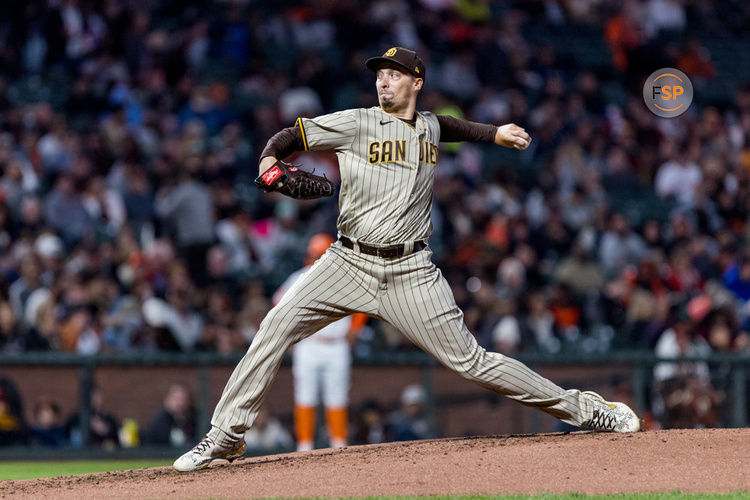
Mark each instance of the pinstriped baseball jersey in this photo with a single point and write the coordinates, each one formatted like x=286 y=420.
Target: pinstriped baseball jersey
x=387 y=171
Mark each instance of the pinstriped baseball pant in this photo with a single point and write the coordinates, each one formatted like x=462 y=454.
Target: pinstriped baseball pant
x=408 y=292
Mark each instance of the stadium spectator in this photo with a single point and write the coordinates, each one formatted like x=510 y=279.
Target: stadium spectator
x=695 y=60
x=179 y=326
x=12 y=425
x=737 y=278
x=65 y=212
x=47 y=428
x=579 y=270
x=9 y=334
x=408 y=422
x=681 y=175
x=507 y=334
x=30 y=280
x=619 y=245
x=174 y=424
x=369 y=425
x=103 y=427
x=188 y=208
x=664 y=15
x=540 y=322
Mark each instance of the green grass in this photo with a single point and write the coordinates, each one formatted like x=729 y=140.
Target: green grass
x=35 y=469
x=30 y=470
x=675 y=495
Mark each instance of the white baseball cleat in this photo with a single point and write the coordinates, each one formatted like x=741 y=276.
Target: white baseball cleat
x=206 y=452
x=612 y=416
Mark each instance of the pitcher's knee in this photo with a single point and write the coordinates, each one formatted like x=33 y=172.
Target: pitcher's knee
x=470 y=365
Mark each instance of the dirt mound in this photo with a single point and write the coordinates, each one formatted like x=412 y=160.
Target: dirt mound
x=708 y=460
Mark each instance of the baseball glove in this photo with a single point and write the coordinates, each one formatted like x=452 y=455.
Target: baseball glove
x=289 y=180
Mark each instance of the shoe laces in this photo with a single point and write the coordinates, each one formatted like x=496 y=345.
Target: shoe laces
x=204 y=445
x=603 y=420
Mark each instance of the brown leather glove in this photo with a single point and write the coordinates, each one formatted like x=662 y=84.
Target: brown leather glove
x=289 y=180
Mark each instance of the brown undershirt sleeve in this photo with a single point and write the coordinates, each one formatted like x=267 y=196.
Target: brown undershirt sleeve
x=284 y=143
x=457 y=130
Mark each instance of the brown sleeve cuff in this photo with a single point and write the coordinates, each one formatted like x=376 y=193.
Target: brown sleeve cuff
x=284 y=143
x=457 y=130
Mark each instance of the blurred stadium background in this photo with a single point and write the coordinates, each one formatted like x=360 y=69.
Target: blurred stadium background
x=137 y=259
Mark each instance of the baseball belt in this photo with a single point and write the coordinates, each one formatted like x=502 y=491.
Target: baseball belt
x=389 y=252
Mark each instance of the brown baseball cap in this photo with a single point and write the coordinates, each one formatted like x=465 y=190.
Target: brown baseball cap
x=405 y=58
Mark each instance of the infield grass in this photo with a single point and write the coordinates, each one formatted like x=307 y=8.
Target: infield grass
x=37 y=469
x=674 y=495
x=34 y=469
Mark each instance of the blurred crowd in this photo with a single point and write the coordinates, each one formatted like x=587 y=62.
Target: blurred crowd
x=174 y=423
x=130 y=132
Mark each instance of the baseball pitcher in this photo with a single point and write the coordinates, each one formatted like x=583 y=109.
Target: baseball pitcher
x=381 y=263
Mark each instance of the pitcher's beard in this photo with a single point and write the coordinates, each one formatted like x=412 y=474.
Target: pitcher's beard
x=386 y=104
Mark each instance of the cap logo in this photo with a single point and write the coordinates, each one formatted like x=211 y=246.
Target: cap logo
x=390 y=52
x=416 y=68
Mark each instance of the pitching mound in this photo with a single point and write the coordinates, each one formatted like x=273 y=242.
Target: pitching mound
x=709 y=460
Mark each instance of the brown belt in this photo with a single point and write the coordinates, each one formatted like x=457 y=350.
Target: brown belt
x=389 y=252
